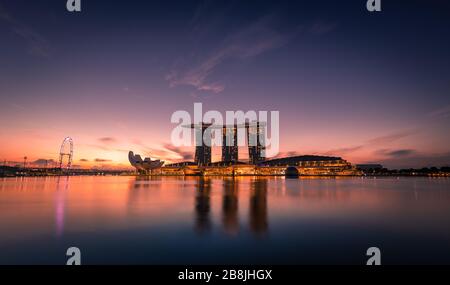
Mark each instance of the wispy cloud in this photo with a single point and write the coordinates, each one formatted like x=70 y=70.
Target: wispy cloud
x=107 y=144
x=417 y=160
x=397 y=153
x=106 y=148
x=37 y=45
x=17 y=106
x=107 y=140
x=321 y=27
x=391 y=137
x=102 y=160
x=443 y=112
x=153 y=152
x=254 y=39
x=166 y=152
x=401 y=152
x=286 y=154
x=377 y=142
x=185 y=155
x=344 y=150
x=43 y=162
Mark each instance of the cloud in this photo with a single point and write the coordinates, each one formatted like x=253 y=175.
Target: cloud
x=399 y=153
x=377 y=141
x=107 y=140
x=166 y=152
x=322 y=27
x=417 y=160
x=443 y=112
x=43 y=162
x=344 y=150
x=83 y=160
x=391 y=137
x=255 y=39
x=286 y=154
x=185 y=155
x=102 y=160
x=17 y=106
x=159 y=153
x=107 y=144
x=37 y=45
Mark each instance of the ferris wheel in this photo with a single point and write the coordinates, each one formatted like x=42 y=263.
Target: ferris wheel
x=63 y=152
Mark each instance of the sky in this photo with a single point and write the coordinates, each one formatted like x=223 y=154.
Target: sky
x=368 y=87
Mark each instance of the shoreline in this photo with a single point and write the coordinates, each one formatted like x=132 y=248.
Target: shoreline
x=446 y=175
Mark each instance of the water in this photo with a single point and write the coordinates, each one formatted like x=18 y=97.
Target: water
x=189 y=220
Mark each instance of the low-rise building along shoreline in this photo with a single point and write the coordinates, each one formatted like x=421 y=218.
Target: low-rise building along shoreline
x=230 y=165
x=307 y=165
x=12 y=172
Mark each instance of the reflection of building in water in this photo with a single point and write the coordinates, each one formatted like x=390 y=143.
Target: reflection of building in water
x=203 y=205
x=258 y=206
x=144 y=182
x=230 y=206
x=148 y=195
x=139 y=194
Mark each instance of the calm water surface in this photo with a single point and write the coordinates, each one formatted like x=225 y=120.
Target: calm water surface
x=190 y=220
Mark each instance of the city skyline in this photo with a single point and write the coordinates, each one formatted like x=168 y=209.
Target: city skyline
x=368 y=88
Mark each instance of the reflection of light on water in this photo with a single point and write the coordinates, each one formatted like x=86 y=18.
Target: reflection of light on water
x=258 y=207
x=249 y=219
x=61 y=189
